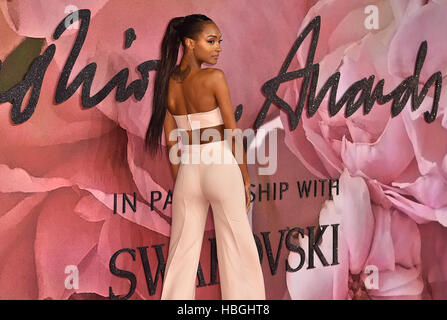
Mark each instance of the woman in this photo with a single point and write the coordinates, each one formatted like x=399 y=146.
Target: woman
x=196 y=101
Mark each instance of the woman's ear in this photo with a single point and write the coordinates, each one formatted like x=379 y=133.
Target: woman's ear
x=189 y=43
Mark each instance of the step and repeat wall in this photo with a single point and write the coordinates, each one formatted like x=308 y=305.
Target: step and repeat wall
x=345 y=115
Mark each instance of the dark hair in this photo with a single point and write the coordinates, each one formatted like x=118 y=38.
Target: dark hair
x=177 y=29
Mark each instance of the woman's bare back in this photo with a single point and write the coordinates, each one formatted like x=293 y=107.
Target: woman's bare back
x=191 y=93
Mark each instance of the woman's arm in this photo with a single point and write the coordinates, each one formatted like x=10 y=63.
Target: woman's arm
x=170 y=125
x=222 y=93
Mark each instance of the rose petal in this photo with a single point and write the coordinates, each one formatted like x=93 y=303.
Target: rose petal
x=380 y=160
x=354 y=205
x=62 y=239
x=400 y=282
x=34 y=18
x=382 y=254
x=309 y=284
x=418 y=27
x=18 y=278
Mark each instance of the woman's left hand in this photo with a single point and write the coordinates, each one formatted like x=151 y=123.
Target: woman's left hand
x=247 y=197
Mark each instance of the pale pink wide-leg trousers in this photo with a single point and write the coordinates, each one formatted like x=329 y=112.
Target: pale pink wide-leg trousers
x=201 y=183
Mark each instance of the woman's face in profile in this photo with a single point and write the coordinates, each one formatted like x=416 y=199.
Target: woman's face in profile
x=207 y=46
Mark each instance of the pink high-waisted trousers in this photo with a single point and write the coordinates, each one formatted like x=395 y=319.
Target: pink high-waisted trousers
x=198 y=185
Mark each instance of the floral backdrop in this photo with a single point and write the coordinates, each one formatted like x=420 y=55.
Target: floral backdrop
x=60 y=170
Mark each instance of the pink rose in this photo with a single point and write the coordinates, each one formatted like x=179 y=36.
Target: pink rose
x=402 y=159
x=400 y=153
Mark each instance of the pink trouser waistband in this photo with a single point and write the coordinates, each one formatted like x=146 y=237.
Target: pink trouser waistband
x=216 y=152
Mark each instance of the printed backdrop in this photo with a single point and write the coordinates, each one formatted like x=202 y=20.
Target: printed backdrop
x=62 y=169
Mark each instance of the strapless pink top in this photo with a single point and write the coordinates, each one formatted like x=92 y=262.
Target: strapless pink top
x=197 y=120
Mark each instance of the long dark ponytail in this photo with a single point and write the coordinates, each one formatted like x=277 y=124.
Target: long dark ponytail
x=177 y=29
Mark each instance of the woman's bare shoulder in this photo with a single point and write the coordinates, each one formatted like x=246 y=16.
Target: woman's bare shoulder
x=213 y=71
x=214 y=76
